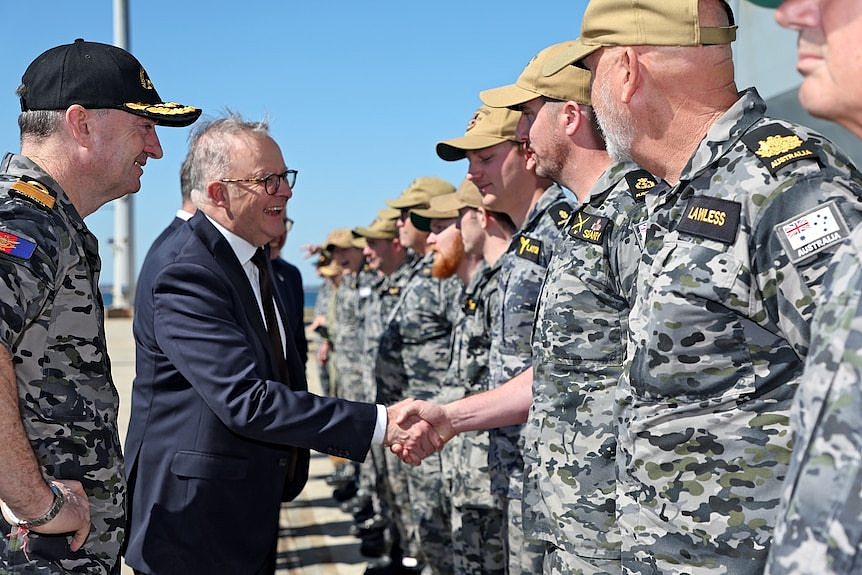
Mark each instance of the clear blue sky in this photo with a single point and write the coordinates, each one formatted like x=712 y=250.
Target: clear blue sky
x=357 y=93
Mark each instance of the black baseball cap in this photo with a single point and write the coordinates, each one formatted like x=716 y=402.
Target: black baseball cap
x=97 y=76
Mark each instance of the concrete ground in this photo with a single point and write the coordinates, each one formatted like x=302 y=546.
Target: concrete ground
x=313 y=535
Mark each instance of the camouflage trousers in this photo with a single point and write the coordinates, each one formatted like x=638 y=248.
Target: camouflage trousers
x=525 y=556
x=561 y=562
x=399 y=505
x=477 y=541
x=430 y=506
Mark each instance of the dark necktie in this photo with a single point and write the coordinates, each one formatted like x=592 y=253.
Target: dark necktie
x=276 y=345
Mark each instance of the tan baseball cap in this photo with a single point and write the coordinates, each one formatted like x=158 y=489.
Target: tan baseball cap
x=331 y=269
x=569 y=83
x=487 y=127
x=468 y=194
x=419 y=192
x=639 y=23
x=440 y=207
x=338 y=238
x=388 y=214
x=380 y=228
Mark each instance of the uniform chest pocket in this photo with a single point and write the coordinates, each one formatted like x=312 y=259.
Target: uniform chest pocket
x=691 y=341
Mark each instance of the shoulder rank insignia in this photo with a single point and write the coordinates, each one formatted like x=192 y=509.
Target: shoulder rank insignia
x=812 y=231
x=589 y=228
x=16 y=246
x=470 y=305
x=711 y=218
x=33 y=191
x=560 y=213
x=640 y=183
x=394 y=290
x=527 y=247
x=776 y=146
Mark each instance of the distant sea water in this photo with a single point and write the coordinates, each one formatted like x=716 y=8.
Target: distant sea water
x=309 y=292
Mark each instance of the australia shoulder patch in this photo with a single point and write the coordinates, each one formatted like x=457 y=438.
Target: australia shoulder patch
x=16 y=246
x=711 y=218
x=589 y=227
x=560 y=213
x=640 y=183
x=527 y=247
x=813 y=231
x=776 y=146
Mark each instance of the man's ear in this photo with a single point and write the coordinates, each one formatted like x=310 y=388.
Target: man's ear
x=79 y=121
x=217 y=194
x=572 y=117
x=630 y=64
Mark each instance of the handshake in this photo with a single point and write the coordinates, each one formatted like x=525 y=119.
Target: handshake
x=416 y=429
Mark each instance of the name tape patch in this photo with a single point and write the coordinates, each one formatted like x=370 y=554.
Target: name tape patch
x=527 y=248
x=814 y=231
x=711 y=218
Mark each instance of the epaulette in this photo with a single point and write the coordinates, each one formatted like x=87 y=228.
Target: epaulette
x=776 y=146
x=560 y=213
x=526 y=247
x=640 y=183
x=33 y=191
x=589 y=227
x=469 y=305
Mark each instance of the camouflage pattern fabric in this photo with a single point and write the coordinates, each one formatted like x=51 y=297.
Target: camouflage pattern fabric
x=350 y=301
x=522 y=270
x=476 y=515
x=52 y=324
x=733 y=261
x=578 y=352
x=819 y=529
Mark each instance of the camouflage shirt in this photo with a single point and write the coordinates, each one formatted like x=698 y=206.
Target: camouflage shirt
x=53 y=326
x=351 y=299
x=466 y=455
x=734 y=257
x=819 y=529
x=522 y=270
x=578 y=352
x=416 y=341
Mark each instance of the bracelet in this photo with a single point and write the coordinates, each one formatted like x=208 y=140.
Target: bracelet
x=56 y=506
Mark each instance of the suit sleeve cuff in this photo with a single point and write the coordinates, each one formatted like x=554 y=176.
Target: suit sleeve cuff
x=380 y=426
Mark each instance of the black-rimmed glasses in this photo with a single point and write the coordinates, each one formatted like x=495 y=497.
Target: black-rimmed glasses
x=270 y=182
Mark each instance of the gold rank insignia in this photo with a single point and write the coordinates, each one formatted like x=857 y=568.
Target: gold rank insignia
x=640 y=183
x=33 y=191
x=527 y=247
x=589 y=227
x=394 y=290
x=776 y=146
x=560 y=213
x=470 y=306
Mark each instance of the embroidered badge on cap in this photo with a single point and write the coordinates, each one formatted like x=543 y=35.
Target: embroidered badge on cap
x=711 y=218
x=776 y=146
x=527 y=248
x=640 y=183
x=16 y=246
x=812 y=232
x=560 y=213
x=589 y=227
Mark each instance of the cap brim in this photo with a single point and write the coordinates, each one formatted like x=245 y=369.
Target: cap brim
x=165 y=114
x=400 y=204
x=507 y=96
x=456 y=148
x=421 y=223
x=572 y=55
x=767 y=3
x=374 y=235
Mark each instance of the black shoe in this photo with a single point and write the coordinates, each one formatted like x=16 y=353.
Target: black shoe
x=410 y=566
x=358 y=505
x=374 y=523
x=373 y=545
x=381 y=566
x=345 y=492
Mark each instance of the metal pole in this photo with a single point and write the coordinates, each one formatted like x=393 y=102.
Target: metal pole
x=124 y=246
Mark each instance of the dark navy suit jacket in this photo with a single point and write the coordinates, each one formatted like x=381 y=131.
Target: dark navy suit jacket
x=206 y=451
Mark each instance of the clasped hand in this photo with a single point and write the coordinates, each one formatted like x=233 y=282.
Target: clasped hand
x=416 y=429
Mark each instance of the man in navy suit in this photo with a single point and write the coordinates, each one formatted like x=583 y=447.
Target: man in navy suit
x=288 y=282
x=221 y=422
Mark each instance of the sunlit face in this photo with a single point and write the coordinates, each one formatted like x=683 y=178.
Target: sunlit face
x=500 y=172
x=445 y=241
x=122 y=144
x=829 y=57
x=253 y=214
x=348 y=258
x=382 y=255
x=618 y=127
x=408 y=234
x=472 y=233
x=540 y=128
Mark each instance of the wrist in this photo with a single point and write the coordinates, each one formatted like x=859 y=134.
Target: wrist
x=56 y=505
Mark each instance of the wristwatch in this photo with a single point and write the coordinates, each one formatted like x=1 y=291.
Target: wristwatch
x=56 y=506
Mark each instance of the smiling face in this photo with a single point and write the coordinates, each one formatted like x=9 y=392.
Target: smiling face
x=251 y=213
x=445 y=241
x=501 y=174
x=829 y=57
x=540 y=128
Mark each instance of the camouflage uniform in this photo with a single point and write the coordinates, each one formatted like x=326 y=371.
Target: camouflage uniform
x=522 y=271
x=348 y=338
x=819 y=529
x=477 y=515
x=321 y=306
x=734 y=258
x=578 y=352
x=417 y=337
x=53 y=327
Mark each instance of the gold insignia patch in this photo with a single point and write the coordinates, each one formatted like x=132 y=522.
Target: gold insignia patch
x=776 y=146
x=166 y=109
x=35 y=191
x=145 y=80
x=640 y=182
